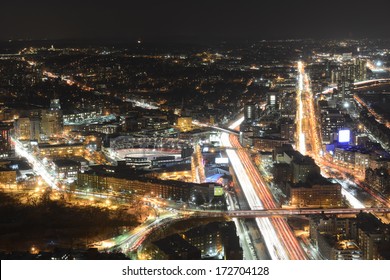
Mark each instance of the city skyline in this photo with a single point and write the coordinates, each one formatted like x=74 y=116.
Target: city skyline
x=195 y=130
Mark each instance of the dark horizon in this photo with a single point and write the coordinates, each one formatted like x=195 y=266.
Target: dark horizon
x=193 y=21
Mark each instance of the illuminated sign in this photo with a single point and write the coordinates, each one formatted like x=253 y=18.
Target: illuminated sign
x=344 y=136
x=218 y=191
x=221 y=160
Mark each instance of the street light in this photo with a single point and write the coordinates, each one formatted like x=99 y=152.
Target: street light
x=34 y=250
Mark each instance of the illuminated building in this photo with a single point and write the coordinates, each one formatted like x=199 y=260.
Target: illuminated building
x=272 y=100
x=52 y=119
x=303 y=195
x=378 y=179
x=287 y=130
x=155 y=161
x=360 y=69
x=353 y=157
x=333 y=249
x=250 y=112
x=334 y=237
x=7 y=177
x=23 y=129
x=60 y=150
x=103 y=128
x=123 y=180
x=342 y=227
x=151 y=158
x=181 y=172
x=332 y=121
x=345 y=88
x=215 y=240
x=81 y=117
x=51 y=123
x=184 y=123
x=154 y=122
x=315 y=192
x=5 y=140
x=267 y=143
x=369 y=235
x=66 y=168
x=246 y=135
x=354 y=70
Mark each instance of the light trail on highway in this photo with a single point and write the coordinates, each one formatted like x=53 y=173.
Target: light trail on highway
x=278 y=236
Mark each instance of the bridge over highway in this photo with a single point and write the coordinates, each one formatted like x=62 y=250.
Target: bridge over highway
x=361 y=84
x=288 y=212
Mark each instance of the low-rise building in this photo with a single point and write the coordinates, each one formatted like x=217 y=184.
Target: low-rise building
x=378 y=179
x=123 y=180
x=370 y=234
x=66 y=168
x=60 y=150
x=216 y=240
x=315 y=192
x=302 y=168
x=174 y=247
x=333 y=249
x=267 y=143
x=352 y=157
x=7 y=177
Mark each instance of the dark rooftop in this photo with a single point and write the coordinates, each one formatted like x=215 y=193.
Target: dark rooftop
x=177 y=248
x=65 y=162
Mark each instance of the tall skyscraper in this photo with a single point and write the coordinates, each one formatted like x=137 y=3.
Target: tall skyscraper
x=5 y=140
x=23 y=129
x=51 y=123
x=52 y=119
x=35 y=128
x=345 y=88
x=272 y=100
x=360 y=66
x=250 y=112
x=332 y=121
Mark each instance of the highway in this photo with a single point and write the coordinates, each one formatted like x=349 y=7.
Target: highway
x=245 y=238
x=278 y=236
x=131 y=241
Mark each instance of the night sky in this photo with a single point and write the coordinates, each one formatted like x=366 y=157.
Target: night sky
x=200 y=19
